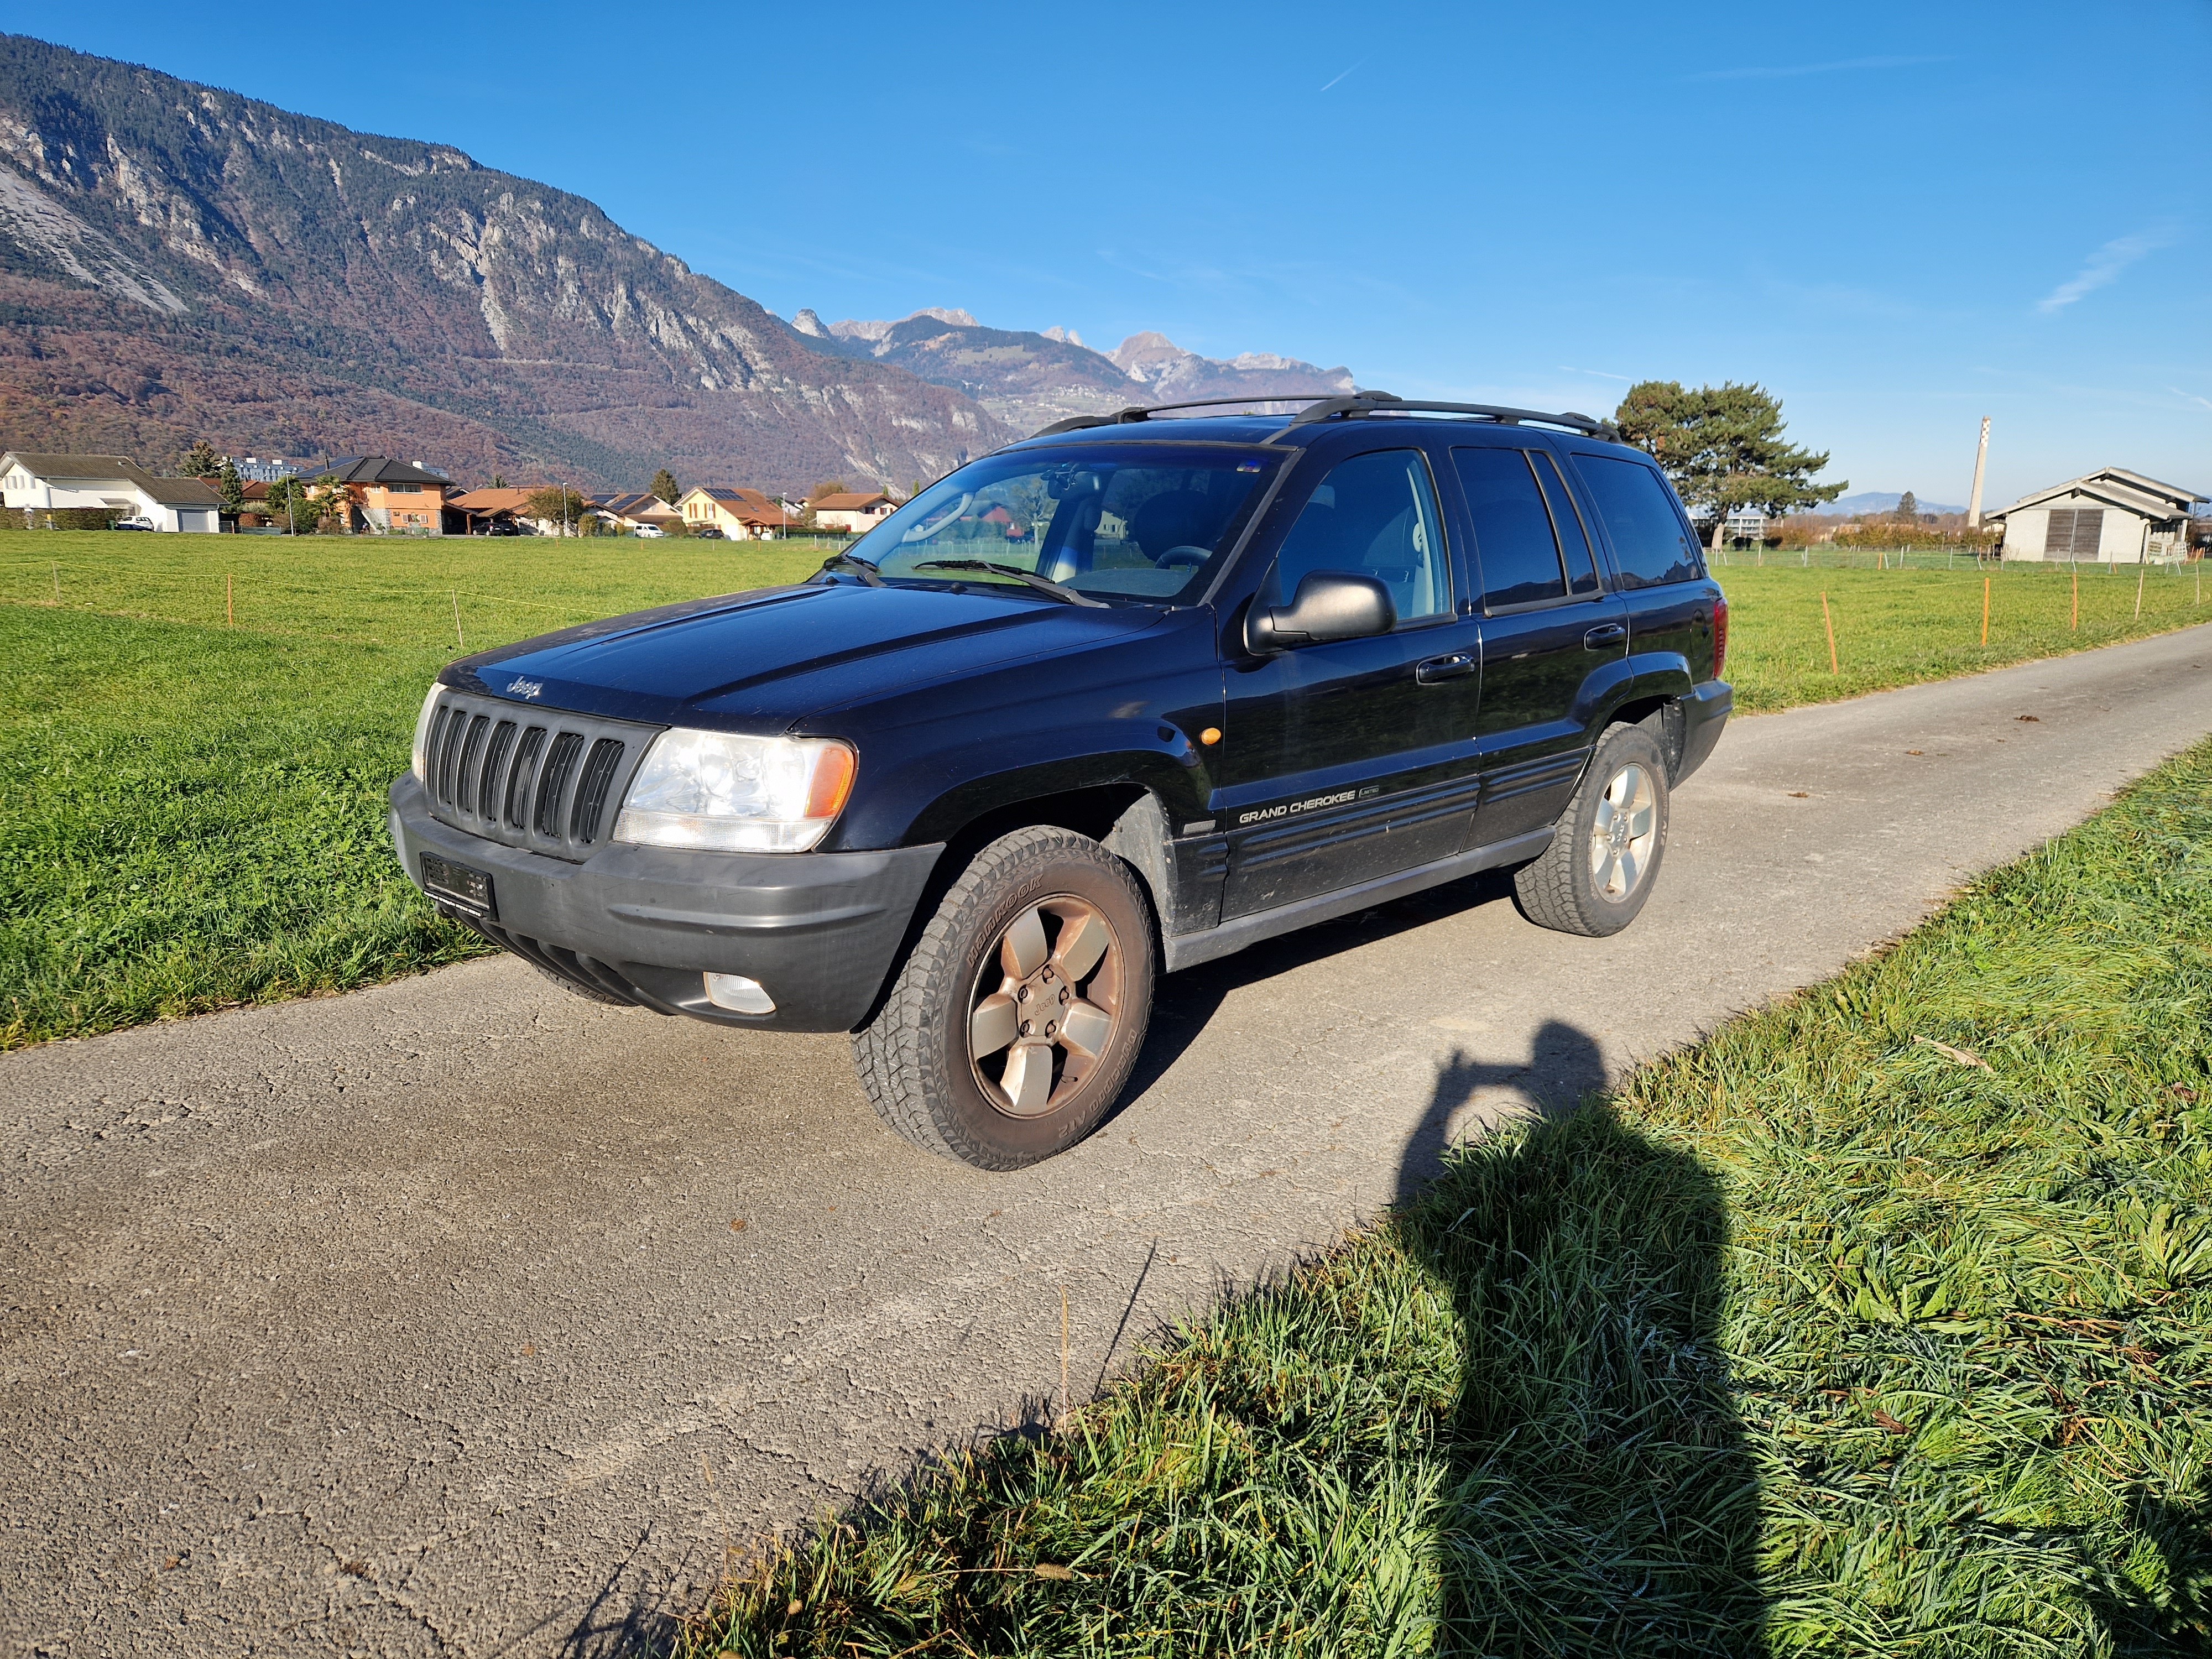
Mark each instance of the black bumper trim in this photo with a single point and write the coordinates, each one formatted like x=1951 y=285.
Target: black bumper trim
x=1705 y=710
x=821 y=931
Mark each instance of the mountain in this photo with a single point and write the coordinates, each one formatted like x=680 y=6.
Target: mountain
x=1881 y=501
x=1030 y=379
x=178 y=262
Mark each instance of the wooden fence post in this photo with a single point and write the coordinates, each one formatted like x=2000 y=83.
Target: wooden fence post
x=1833 y=667
x=1986 y=611
x=229 y=608
x=2075 y=624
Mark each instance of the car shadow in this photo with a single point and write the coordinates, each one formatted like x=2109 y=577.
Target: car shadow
x=1185 y=1003
x=1597 y=1495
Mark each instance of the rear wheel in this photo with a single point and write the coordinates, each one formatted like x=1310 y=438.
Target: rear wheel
x=1016 y=1021
x=1605 y=852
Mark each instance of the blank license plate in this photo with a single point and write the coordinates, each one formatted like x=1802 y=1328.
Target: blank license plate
x=458 y=884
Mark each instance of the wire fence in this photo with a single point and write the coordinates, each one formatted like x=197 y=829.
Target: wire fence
x=1829 y=556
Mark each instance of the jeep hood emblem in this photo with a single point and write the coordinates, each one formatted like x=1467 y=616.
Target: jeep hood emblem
x=519 y=687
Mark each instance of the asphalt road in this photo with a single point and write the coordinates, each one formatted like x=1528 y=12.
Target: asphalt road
x=463 y=1315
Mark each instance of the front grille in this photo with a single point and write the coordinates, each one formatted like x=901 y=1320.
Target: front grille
x=537 y=778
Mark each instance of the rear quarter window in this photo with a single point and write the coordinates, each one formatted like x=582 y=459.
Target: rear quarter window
x=1648 y=542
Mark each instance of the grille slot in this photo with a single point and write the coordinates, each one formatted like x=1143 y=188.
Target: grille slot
x=546 y=784
x=592 y=792
x=560 y=762
x=525 y=768
x=464 y=784
x=488 y=790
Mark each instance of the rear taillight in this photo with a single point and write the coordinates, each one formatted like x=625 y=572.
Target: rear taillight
x=1720 y=634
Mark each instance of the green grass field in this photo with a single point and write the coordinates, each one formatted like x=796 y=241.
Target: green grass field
x=1879 y=1322
x=201 y=729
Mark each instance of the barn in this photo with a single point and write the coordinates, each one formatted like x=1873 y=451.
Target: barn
x=2109 y=517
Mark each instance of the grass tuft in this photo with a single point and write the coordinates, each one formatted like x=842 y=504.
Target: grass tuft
x=1810 y=1340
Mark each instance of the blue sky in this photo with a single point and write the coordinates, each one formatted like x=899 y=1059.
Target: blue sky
x=1898 y=217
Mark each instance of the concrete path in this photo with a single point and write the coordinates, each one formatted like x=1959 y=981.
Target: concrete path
x=465 y=1316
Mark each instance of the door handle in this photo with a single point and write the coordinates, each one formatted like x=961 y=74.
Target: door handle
x=1453 y=667
x=1604 y=634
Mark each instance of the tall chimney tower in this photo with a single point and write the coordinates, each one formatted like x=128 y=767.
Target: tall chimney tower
x=1981 y=460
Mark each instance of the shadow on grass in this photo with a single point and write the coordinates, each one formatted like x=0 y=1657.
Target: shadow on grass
x=1598 y=1495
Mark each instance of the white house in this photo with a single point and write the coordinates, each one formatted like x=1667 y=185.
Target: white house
x=853 y=511
x=2111 y=517
x=35 y=484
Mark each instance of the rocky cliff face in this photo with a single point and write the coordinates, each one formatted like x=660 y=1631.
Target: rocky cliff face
x=178 y=262
x=1029 y=380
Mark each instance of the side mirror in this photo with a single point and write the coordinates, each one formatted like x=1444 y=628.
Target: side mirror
x=1330 y=604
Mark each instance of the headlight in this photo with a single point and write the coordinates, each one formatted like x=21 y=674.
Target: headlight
x=422 y=734
x=736 y=794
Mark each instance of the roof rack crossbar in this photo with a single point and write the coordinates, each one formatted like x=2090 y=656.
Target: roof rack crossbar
x=1369 y=403
x=1145 y=411
x=1325 y=406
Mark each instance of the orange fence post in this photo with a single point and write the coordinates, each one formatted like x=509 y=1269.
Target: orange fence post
x=1986 y=611
x=1833 y=668
x=229 y=609
x=2076 y=623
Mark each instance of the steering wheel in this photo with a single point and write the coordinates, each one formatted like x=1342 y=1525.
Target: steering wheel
x=1186 y=554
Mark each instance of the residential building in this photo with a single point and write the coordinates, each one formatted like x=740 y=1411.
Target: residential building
x=741 y=514
x=268 y=468
x=32 y=485
x=2111 y=516
x=853 y=512
x=640 y=509
x=390 y=497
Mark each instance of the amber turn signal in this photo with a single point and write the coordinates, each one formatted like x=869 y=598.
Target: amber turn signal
x=1211 y=736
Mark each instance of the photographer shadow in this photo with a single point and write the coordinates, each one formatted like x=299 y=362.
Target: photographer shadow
x=1599 y=1497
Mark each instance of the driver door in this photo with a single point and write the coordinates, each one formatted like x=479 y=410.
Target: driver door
x=1347 y=760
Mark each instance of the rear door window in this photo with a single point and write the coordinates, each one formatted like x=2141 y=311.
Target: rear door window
x=1567 y=519
x=1650 y=543
x=1513 y=542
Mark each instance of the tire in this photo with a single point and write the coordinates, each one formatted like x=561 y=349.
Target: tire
x=1013 y=1026
x=1603 y=861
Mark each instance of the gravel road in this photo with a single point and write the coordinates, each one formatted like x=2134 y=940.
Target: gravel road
x=465 y=1316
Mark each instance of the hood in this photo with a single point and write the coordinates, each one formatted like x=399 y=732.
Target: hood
x=763 y=662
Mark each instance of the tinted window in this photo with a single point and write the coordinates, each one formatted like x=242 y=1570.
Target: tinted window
x=1513 y=539
x=1142 y=522
x=1373 y=515
x=1567 y=519
x=1648 y=542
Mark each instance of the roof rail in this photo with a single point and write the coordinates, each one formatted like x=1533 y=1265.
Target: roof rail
x=1145 y=411
x=1324 y=406
x=1370 y=403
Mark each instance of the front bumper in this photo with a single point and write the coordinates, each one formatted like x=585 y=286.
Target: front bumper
x=1704 y=712
x=820 y=931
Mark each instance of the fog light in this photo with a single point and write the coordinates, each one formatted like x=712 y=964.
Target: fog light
x=739 y=995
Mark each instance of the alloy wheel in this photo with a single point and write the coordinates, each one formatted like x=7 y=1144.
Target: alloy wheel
x=1044 y=1005
x=1624 y=831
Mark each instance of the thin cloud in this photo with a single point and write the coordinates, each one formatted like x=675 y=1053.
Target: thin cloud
x=1340 y=77
x=2190 y=397
x=1788 y=71
x=2104 y=267
x=1624 y=379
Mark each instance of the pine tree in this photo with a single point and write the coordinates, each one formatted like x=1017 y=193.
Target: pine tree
x=1908 y=507
x=664 y=485
x=1722 y=448
x=231 y=488
x=200 y=461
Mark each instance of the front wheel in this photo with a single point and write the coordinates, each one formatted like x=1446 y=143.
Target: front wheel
x=1016 y=1021
x=1605 y=852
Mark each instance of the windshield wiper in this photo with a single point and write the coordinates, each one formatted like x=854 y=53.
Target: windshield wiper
x=1042 y=584
x=868 y=572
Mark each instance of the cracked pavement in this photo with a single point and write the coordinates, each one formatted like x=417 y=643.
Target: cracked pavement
x=463 y=1315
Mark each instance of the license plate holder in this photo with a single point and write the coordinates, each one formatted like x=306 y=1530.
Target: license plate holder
x=457 y=884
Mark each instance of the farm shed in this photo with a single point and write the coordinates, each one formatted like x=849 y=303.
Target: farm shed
x=2109 y=517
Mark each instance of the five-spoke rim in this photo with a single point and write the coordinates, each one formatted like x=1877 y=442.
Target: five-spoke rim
x=1623 y=832
x=1042 y=1010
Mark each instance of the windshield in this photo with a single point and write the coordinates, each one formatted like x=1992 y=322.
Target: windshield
x=1135 y=522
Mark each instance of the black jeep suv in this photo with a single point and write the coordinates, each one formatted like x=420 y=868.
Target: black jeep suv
x=1123 y=697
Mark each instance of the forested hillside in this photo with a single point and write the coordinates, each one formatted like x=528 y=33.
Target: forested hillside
x=178 y=262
